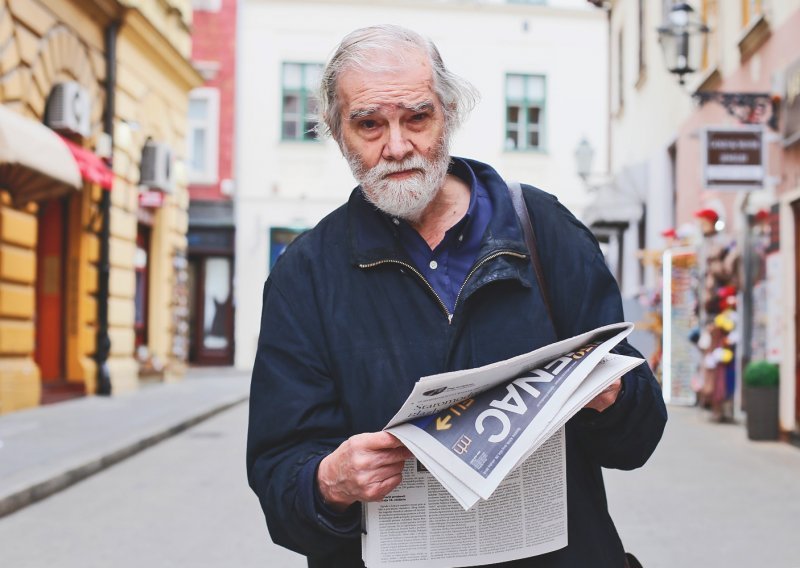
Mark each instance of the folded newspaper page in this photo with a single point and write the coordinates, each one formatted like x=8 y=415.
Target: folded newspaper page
x=494 y=431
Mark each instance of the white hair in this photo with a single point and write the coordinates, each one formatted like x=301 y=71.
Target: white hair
x=357 y=50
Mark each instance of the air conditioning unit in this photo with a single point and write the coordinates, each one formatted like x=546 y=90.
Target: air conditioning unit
x=69 y=109
x=156 y=168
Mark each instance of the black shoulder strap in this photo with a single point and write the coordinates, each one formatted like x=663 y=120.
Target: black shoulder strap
x=515 y=189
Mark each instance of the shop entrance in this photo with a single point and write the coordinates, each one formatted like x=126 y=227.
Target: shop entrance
x=50 y=273
x=141 y=264
x=211 y=312
x=796 y=215
x=51 y=301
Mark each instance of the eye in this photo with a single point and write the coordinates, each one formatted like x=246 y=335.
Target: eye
x=368 y=124
x=419 y=117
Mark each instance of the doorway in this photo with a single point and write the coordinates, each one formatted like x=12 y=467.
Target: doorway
x=141 y=265
x=51 y=301
x=211 y=316
x=796 y=215
x=51 y=250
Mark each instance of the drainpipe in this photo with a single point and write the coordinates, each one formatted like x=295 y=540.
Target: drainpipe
x=104 y=266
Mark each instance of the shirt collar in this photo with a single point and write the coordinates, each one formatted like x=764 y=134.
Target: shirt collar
x=374 y=235
x=462 y=171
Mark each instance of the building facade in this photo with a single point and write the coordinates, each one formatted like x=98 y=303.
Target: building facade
x=92 y=257
x=540 y=69
x=746 y=261
x=210 y=153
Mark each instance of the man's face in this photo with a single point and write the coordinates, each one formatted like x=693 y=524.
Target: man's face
x=393 y=133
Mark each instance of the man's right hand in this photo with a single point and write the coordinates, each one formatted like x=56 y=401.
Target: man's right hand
x=363 y=468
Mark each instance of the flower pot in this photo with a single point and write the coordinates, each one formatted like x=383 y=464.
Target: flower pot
x=762 y=412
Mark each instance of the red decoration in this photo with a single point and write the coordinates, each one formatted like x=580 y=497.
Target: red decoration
x=92 y=168
x=708 y=214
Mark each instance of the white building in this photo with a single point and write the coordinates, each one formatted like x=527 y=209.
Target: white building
x=646 y=107
x=541 y=69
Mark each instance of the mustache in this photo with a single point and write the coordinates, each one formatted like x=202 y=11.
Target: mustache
x=383 y=169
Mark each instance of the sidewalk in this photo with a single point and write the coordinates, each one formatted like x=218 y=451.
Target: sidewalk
x=45 y=449
x=710 y=497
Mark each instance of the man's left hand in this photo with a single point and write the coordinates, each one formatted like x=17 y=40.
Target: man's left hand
x=606 y=398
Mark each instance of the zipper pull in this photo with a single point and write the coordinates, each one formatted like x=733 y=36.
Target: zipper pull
x=449 y=319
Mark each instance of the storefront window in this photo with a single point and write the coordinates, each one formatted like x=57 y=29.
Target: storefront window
x=217 y=295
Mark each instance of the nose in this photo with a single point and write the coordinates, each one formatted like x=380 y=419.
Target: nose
x=398 y=146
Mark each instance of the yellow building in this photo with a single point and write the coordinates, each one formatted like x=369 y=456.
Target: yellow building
x=64 y=64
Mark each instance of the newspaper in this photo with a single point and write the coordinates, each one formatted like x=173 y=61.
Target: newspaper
x=489 y=480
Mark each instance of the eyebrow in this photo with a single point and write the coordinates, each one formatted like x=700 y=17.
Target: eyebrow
x=419 y=107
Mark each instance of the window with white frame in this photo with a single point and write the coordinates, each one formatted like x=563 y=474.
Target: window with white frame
x=751 y=11
x=203 y=135
x=299 y=102
x=206 y=5
x=525 y=107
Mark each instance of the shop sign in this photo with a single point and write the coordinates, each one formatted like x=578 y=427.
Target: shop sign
x=733 y=158
x=776 y=309
x=151 y=198
x=791 y=105
x=679 y=362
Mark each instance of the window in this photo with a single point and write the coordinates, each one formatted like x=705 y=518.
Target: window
x=709 y=14
x=279 y=239
x=299 y=108
x=619 y=83
x=206 y=5
x=525 y=106
x=642 y=53
x=203 y=135
x=751 y=11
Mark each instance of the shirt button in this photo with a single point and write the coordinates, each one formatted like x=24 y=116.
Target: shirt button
x=396 y=221
x=434 y=265
x=460 y=238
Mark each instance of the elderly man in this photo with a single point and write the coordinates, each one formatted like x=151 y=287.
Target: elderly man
x=424 y=270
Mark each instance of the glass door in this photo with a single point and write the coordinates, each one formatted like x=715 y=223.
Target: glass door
x=212 y=299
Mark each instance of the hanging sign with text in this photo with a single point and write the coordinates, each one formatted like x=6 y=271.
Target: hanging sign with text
x=734 y=158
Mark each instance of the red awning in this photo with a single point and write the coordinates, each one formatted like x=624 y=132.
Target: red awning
x=92 y=168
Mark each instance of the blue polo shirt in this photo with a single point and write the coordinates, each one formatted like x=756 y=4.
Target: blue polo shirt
x=446 y=266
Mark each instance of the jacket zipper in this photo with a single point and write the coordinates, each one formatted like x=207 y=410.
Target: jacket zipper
x=481 y=263
x=425 y=281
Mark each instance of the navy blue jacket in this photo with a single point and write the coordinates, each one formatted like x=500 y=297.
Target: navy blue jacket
x=348 y=326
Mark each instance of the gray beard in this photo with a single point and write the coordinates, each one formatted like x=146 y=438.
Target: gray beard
x=407 y=198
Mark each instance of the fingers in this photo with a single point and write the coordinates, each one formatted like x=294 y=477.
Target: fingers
x=363 y=468
x=374 y=485
x=607 y=397
x=376 y=441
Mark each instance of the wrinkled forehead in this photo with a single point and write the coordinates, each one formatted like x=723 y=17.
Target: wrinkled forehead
x=388 y=81
x=388 y=55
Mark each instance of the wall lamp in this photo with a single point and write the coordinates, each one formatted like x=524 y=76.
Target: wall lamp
x=681 y=39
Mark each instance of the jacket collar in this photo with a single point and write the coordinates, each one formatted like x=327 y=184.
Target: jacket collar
x=373 y=237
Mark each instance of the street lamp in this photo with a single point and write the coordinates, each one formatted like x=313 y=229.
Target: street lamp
x=584 y=155
x=681 y=40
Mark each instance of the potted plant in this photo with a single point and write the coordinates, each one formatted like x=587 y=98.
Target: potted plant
x=761 y=398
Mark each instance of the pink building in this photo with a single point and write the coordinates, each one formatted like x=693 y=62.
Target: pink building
x=763 y=225
x=663 y=168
